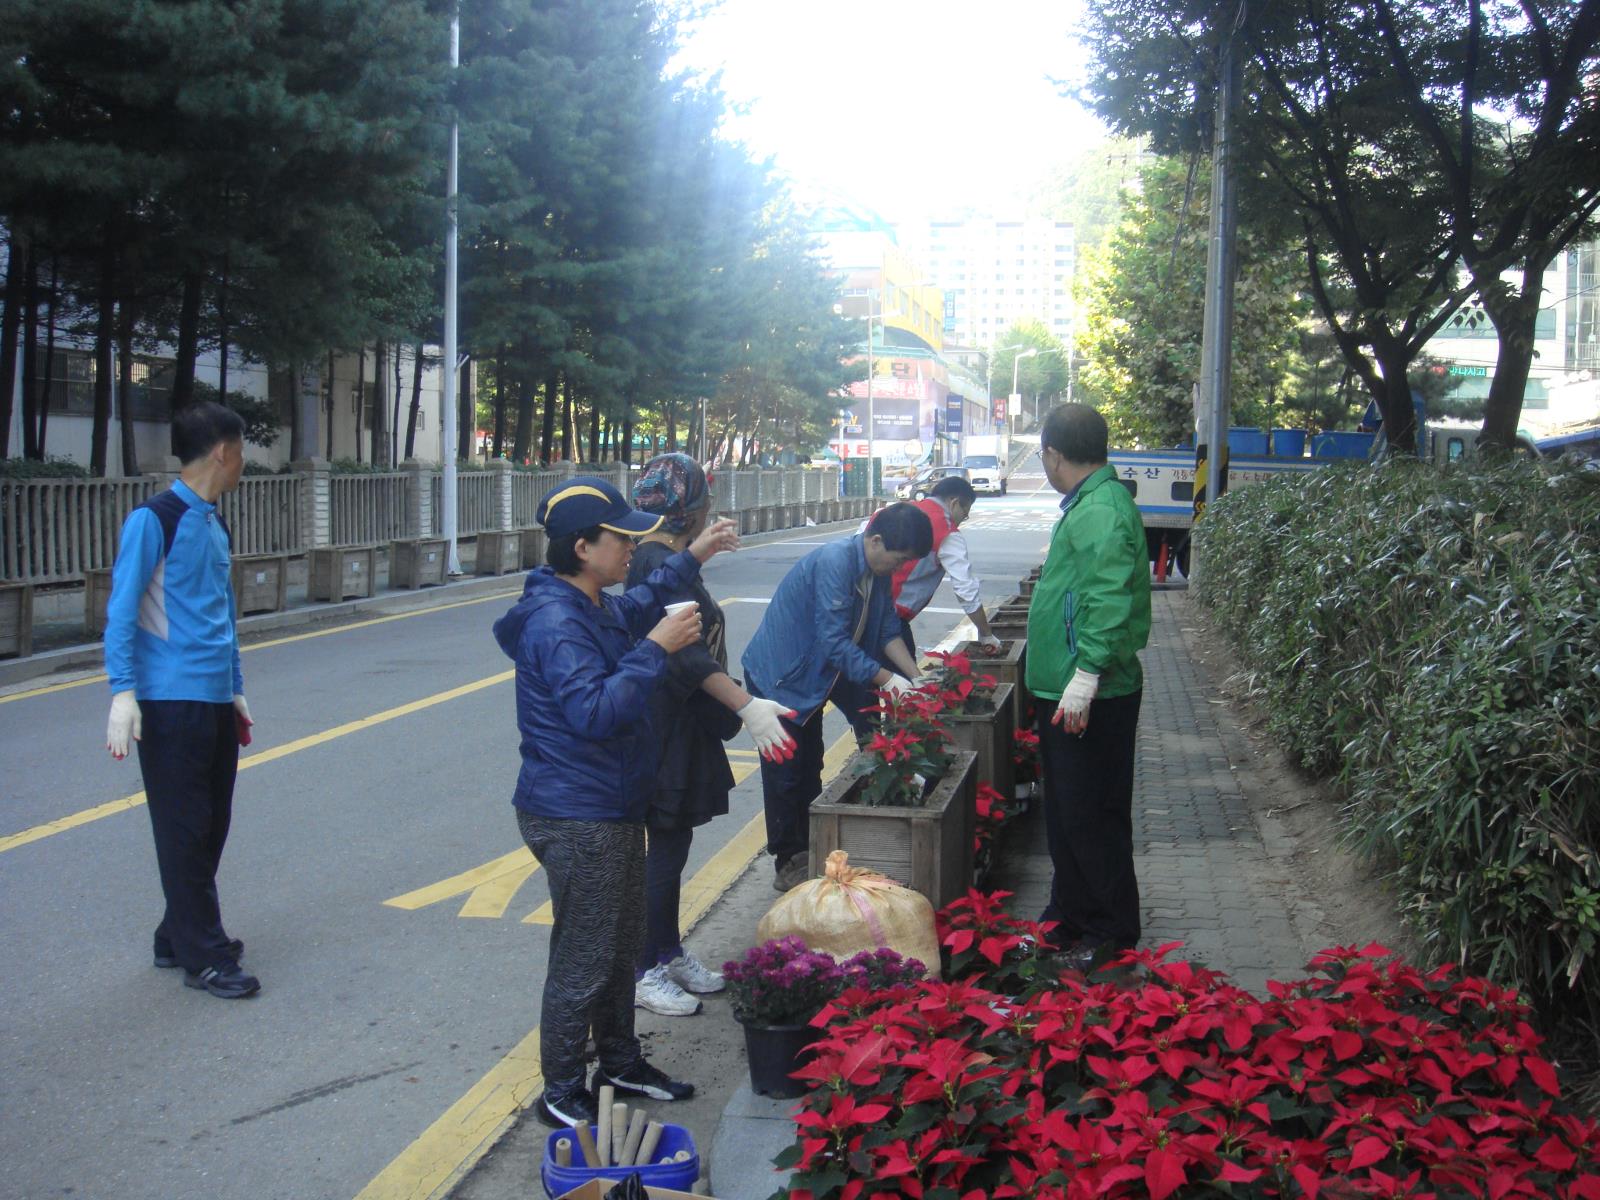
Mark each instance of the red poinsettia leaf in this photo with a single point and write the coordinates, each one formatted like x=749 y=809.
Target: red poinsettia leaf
x=1346 y=1044
x=1366 y=1152
x=1310 y=1182
x=1163 y=1174
x=1232 y=1172
x=1556 y=1155
x=960 y=940
x=1585 y=1187
x=994 y=948
x=1542 y=1074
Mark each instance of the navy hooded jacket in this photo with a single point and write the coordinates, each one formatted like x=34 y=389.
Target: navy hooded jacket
x=585 y=673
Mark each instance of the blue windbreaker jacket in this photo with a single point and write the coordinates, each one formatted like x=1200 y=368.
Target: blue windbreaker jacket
x=585 y=674
x=803 y=644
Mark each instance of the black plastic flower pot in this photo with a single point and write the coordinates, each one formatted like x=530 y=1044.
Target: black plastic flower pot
x=774 y=1051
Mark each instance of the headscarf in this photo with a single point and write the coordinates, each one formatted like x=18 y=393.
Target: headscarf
x=674 y=487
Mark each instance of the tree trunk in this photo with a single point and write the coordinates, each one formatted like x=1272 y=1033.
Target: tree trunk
x=380 y=409
x=416 y=402
x=30 y=358
x=566 y=418
x=49 y=353
x=1515 y=315
x=328 y=406
x=130 y=447
x=297 y=425
x=105 y=331
x=360 y=394
x=672 y=426
x=500 y=402
x=222 y=330
x=594 y=430
x=188 y=341
x=394 y=409
x=1393 y=393
x=547 y=436
x=466 y=413
x=627 y=440
x=10 y=326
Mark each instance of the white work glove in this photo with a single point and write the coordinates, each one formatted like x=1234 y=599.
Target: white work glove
x=990 y=644
x=1072 y=714
x=772 y=740
x=898 y=686
x=245 y=719
x=123 y=724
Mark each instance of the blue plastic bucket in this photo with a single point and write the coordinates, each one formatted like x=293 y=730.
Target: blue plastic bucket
x=1342 y=444
x=678 y=1176
x=1289 y=443
x=1247 y=440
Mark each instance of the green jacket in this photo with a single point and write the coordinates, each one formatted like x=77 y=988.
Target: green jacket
x=1091 y=606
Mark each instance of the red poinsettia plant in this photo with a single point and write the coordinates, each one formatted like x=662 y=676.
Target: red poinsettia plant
x=907 y=755
x=958 y=687
x=1369 y=1078
x=992 y=814
x=1025 y=756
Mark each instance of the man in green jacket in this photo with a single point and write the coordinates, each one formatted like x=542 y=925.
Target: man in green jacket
x=1087 y=622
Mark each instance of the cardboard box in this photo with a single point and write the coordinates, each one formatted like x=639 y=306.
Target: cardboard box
x=596 y=1188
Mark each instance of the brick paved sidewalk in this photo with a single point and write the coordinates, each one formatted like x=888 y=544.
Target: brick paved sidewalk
x=1211 y=872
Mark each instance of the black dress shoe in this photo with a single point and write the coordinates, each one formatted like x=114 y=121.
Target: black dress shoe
x=225 y=980
x=165 y=958
x=579 y=1108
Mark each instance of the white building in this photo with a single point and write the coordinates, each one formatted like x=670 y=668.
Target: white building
x=995 y=273
x=1564 y=380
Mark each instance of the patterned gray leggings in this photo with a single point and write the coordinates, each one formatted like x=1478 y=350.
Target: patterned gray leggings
x=595 y=870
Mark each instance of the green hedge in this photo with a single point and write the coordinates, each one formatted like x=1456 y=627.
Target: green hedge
x=1433 y=640
x=50 y=467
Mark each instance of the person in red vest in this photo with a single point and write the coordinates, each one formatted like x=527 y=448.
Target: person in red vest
x=913 y=585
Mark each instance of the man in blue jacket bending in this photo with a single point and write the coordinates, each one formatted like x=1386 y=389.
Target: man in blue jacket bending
x=172 y=656
x=587 y=663
x=831 y=618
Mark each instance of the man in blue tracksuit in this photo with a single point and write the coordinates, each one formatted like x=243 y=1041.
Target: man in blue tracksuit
x=172 y=656
x=831 y=622
x=587 y=665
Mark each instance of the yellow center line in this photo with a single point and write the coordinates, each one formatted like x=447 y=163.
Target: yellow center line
x=283 y=641
x=61 y=825
x=430 y=1166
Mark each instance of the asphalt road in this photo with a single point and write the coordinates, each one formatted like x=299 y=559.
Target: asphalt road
x=382 y=767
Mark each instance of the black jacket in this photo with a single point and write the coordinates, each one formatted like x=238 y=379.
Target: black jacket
x=692 y=778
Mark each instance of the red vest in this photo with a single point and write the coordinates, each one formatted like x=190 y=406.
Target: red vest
x=941 y=530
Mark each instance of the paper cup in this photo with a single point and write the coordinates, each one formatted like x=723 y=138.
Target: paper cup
x=674 y=609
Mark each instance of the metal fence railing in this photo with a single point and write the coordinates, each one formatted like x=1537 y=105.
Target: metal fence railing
x=363 y=509
x=263 y=514
x=53 y=530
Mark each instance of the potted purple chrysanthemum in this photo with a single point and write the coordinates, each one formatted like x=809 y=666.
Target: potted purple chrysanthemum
x=775 y=989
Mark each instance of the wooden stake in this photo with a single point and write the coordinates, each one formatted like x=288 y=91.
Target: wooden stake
x=630 y=1144
x=591 y=1156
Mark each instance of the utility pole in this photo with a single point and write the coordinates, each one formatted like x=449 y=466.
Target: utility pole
x=451 y=367
x=1216 y=353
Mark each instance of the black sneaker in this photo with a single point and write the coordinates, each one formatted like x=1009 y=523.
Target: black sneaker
x=642 y=1079
x=577 y=1109
x=225 y=980
x=164 y=956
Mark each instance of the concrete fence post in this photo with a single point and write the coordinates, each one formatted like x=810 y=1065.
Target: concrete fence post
x=504 y=511
x=316 y=502
x=419 y=499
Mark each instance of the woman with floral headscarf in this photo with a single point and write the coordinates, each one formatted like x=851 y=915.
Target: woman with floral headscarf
x=696 y=708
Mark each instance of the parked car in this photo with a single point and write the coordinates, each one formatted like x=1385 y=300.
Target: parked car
x=919 y=485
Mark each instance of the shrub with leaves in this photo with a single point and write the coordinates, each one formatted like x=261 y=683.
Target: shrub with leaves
x=1433 y=639
x=958 y=687
x=907 y=755
x=1369 y=1079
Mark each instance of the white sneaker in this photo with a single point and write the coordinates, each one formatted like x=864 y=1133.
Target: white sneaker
x=692 y=975
x=657 y=992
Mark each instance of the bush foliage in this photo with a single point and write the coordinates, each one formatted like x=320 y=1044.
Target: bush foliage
x=1432 y=639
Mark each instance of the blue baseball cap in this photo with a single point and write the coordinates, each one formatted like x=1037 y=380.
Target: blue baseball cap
x=584 y=502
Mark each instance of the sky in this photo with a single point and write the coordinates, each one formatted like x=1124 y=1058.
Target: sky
x=913 y=109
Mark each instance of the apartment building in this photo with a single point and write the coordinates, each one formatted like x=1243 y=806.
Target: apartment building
x=995 y=273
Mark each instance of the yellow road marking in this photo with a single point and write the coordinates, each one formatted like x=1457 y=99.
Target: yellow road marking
x=50 y=828
x=283 y=641
x=489 y=888
x=430 y=1166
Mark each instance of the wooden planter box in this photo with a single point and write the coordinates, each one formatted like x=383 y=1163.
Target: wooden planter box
x=1025 y=587
x=928 y=849
x=1009 y=666
x=340 y=572
x=499 y=552
x=988 y=735
x=96 y=597
x=16 y=620
x=534 y=542
x=418 y=562
x=260 y=583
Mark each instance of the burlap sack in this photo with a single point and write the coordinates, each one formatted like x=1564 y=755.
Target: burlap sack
x=851 y=909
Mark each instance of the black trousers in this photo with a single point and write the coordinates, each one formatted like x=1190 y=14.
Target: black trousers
x=1088 y=817
x=189 y=755
x=787 y=789
x=595 y=870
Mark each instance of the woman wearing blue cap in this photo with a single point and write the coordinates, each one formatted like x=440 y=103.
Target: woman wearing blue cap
x=697 y=707
x=587 y=665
